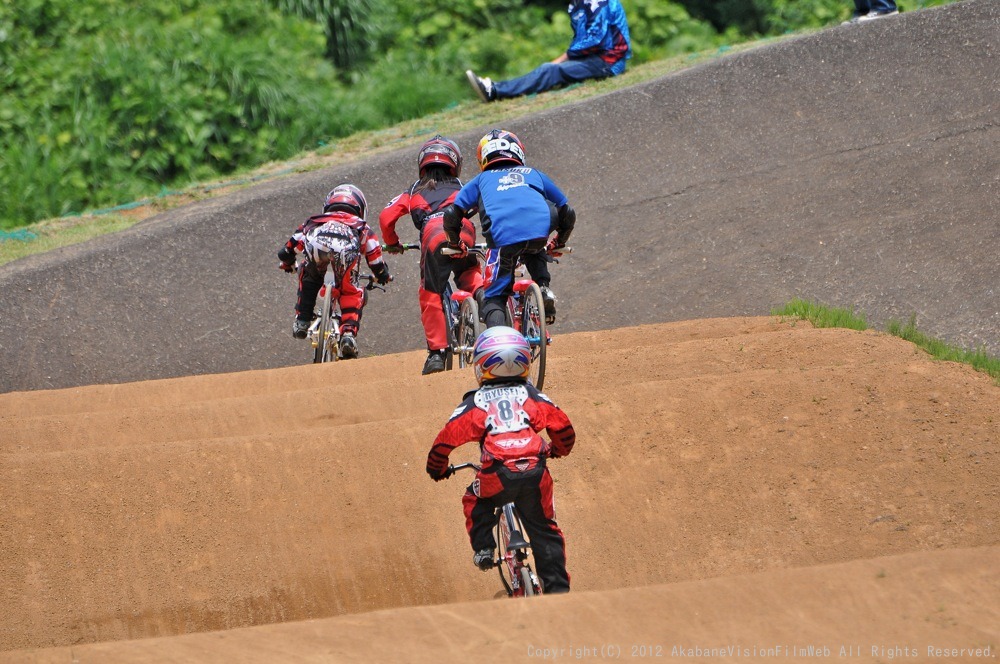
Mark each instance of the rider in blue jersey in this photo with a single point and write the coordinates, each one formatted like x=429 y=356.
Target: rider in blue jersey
x=518 y=207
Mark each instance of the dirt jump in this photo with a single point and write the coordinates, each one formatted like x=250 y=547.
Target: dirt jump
x=179 y=484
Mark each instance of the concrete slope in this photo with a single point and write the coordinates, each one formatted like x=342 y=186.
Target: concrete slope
x=857 y=167
x=706 y=449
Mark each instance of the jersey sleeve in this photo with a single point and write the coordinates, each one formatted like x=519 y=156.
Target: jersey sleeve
x=371 y=247
x=390 y=214
x=551 y=191
x=468 y=196
x=556 y=424
x=465 y=425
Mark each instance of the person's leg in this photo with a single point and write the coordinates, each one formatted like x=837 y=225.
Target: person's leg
x=498 y=280
x=352 y=303
x=549 y=75
x=310 y=280
x=433 y=279
x=537 y=509
x=883 y=6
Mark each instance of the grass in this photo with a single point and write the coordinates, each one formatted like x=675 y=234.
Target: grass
x=822 y=316
x=52 y=234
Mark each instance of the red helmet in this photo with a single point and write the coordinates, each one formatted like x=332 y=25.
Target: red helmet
x=500 y=146
x=347 y=198
x=440 y=150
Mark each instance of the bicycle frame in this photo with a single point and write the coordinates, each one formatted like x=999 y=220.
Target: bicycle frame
x=516 y=574
x=324 y=331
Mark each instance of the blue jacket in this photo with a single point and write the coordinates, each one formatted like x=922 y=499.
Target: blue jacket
x=513 y=204
x=600 y=28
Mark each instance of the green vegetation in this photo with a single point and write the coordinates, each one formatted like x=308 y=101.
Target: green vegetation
x=822 y=316
x=108 y=101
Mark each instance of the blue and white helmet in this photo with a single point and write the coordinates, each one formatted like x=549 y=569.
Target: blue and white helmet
x=501 y=352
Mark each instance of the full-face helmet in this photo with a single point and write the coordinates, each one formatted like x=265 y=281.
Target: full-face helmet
x=442 y=151
x=346 y=198
x=501 y=353
x=500 y=147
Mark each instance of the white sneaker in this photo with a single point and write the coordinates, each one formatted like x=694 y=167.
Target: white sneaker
x=482 y=86
x=871 y=16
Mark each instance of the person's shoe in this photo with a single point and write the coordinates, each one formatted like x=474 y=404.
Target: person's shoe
x=871 y=16
x=348 y=346
x=549 y=300
x=482 y=86
x=434 y=362
x=855 y=17
x=483 y=559
x=299 y=328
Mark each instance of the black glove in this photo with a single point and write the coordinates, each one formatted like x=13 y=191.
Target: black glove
x=394 y=248
x=448 y=472
x=286 y=255
x=382 y=275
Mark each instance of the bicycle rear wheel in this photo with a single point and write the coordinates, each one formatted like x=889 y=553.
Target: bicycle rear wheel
x=527 y=581
x=328 y=332
x=533 y=329
x=469 y=328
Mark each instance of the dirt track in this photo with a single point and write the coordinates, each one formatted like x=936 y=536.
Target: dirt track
x=707 y=449
x=738 y=482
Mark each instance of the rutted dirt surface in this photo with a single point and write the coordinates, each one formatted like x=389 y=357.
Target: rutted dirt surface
x=742 y=484
x=741 y=447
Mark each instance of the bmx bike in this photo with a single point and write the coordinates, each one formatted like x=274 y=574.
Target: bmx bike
x=324 y=331
x=526 y=313
x=462 y=322
x=516 y=574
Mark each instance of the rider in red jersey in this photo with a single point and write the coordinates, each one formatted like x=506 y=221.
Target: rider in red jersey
x=439 y=163
x=504 y=416
x=338 y=237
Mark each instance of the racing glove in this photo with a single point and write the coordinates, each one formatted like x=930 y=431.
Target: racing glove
x=381 y=272
x=396 y=248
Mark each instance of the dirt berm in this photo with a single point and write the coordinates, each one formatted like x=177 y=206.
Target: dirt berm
x=857 y=167
x=737 y=482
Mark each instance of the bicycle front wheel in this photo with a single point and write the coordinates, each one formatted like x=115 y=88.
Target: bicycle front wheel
x=469 y=328
x=533 y=329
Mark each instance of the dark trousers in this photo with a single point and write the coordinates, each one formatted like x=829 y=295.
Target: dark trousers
x=532 y=496
x=498 y=276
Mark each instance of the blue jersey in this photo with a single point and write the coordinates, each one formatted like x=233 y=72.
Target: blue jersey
x=600 y=28
x=513 y=204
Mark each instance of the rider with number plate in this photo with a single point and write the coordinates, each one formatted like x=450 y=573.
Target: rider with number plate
x=504 y=416
x=518 y=208
x=338 y=237
x=439 y=163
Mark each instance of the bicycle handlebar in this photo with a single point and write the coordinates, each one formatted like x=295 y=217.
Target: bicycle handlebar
x=480 y=249
x=461 y=466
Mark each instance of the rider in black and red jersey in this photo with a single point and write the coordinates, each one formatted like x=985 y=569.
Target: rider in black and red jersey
x=439 y=163
x=504 y=416
x=338 y=237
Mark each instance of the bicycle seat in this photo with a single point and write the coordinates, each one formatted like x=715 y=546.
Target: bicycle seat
x=517 y=541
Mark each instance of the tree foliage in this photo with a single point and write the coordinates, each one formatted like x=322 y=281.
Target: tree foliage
x=104 y=102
